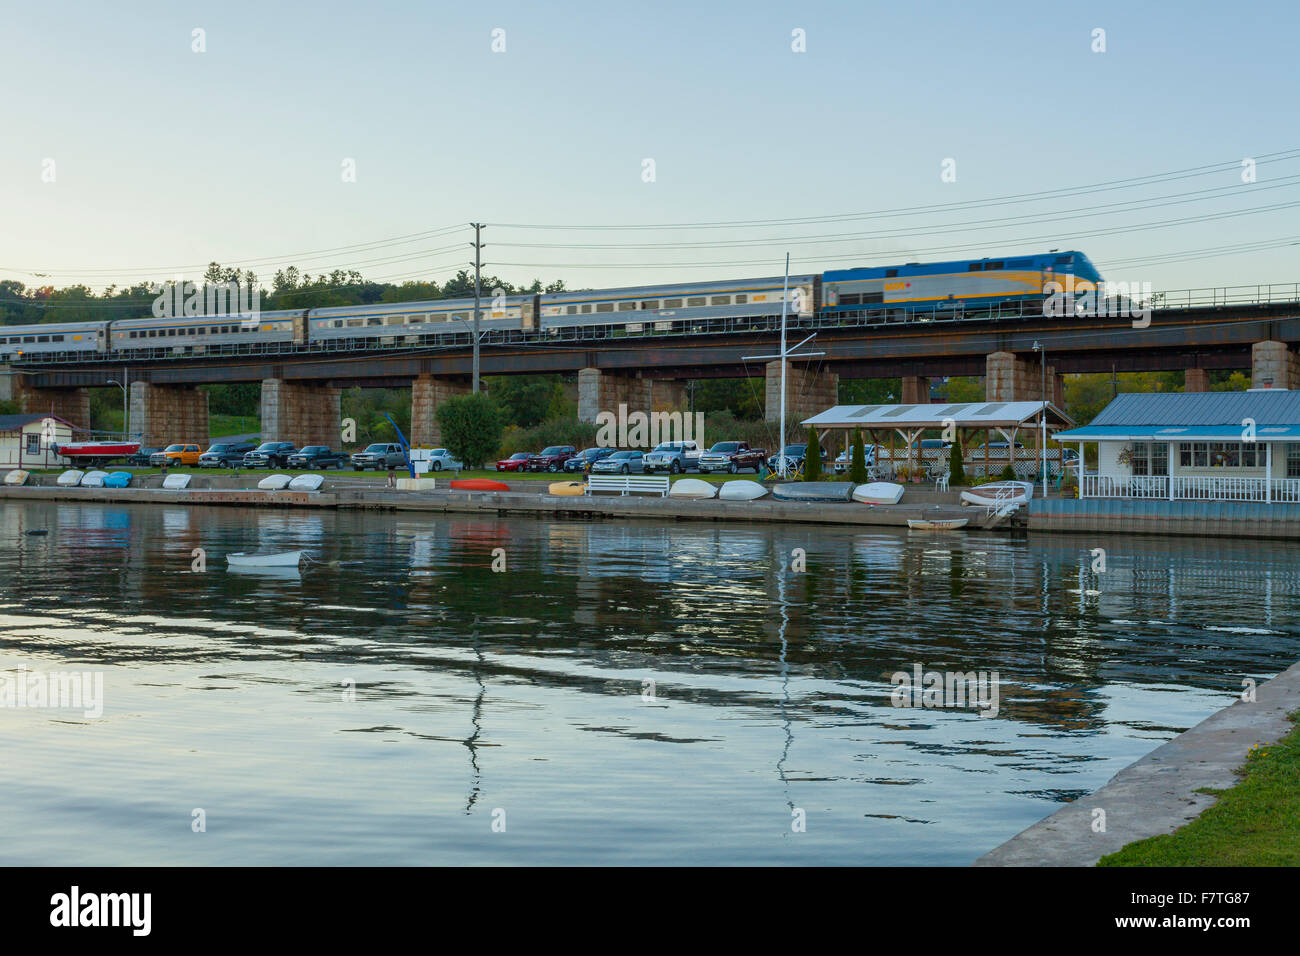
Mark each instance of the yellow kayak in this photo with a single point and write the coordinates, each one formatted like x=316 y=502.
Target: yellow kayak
x=566 y=487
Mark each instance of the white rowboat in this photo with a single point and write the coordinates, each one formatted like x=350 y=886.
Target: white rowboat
x=741 y=491
x=878 y=493
x=936 y=524
x=264 y=559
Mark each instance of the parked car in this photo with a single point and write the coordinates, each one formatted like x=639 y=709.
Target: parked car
x=552 y=458
x=142 y=457
x=174 y=455
x=316 y=456
x=731 y=456
x=673 y=456
x=270 y=454
x=515 y=462
x=620 y=463
x=583 y=461
x=794 y=456
x=845 y=458
x=380 y=456
x=440 y=459
x=225 y=454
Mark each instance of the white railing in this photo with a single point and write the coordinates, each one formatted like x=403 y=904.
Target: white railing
x=1191 y=488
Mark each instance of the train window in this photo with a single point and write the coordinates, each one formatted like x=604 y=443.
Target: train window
x=742 y=299
x=1063 y=260
x=851 y=299
x=695 y=302
x=873 y=298
x=720 y=300
x=414 y=319
x=571 y=310
x=891 y=273
x=56 y=338
x=672 y=303
x=374 y=320
x=356 y=323
x=992 y=265
x=627 y=307
x=650 y=304
x=42 y=338
x=974 y=267
x=586 y=309
x=604 y=306
x=396 y=320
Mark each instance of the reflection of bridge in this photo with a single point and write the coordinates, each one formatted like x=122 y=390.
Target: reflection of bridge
x=301 y=384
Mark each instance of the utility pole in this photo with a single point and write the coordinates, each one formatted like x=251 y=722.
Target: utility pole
x=478 y=269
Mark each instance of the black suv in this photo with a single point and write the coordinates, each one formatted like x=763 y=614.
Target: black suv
x=269 y=454
x=583 y=461
x=225 y=454
x=317 y=456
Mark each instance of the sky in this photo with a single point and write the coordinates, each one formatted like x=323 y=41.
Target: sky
x=368 y=135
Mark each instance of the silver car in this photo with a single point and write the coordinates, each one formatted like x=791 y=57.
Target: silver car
x=620 y=463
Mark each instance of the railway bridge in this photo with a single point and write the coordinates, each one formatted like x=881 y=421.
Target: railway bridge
x=1193 y=333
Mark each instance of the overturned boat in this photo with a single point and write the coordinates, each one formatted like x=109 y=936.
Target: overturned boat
x=814 y=491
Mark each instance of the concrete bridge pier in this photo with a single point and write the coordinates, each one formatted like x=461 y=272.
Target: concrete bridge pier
x=1273 y=365
x=602 y=391
x=427 y=393
x=1010 y=378
x=305 y=413
x=808 y=391
x=162 y=414
x=916 y=390
x=70 y=404
x=1196 y=380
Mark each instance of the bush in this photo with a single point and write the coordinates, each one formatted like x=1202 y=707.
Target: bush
x=956 y=469
x=858 y=463
x=471 y=428
x=1008 y=473
x=553 y=431
x=812 y=463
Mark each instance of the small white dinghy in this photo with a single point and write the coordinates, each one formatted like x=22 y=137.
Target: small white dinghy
x=264 y=559
x=18 y=476
x=1000 y=493
x=176 y=482
x=306 y=483
x=274 y=482
x=878 y=493
x=936 y=524
x=71 y=478
x=94 y=479
x=742 y=491
x=691 y=488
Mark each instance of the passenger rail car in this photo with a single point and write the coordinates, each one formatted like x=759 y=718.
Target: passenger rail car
x=963 y=284
x=675 y=308
x=195 y=335
x=392 y=324
x=53 y=338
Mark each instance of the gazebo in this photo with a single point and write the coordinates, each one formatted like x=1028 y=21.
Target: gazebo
x=889 y=426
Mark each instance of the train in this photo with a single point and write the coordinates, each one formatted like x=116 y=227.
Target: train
x=866 y=295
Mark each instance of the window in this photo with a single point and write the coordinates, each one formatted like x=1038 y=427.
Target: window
x=374 y=320
x=586 y=309
x=1160 y=458
x=974 y=267
x=42 y=338
x=1293 y=459
x=672 y=303
x=695 y=302
x=1248 y=456
x=742 y=299
x=1062 y=260
x=992 y=265
x=851 y=299
x=720 y=300
x=56 y=338
x=336 y=323
x=627 y=307
x=604 y=306
x=650 y=304
x=873 y=298
x=355 y=323
x=414 y=319
x=396 y=320
x=1140 y=463
x=891 y=273
x=33 y=444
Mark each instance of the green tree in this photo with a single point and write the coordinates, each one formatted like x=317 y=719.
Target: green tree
x=812 y=463
x=471 y=428
x=858 y=466
x=956 y=468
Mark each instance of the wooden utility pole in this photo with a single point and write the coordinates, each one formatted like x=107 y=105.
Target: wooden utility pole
x=478 y=268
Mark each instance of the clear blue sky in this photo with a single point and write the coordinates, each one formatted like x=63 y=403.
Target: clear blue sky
x=169 y=158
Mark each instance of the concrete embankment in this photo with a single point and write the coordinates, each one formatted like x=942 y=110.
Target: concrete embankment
x=1158 y=794
x=527 y=500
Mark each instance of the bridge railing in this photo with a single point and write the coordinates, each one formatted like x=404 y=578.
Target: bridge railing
x=1270 y=293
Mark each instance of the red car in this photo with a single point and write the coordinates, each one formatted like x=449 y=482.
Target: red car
x=515 y=462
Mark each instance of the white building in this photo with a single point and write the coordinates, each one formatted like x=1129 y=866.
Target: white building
x=1205 y=446
x=27 y=441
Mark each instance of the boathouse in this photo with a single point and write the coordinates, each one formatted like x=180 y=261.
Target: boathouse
x=27 y=441
x=1200 y=446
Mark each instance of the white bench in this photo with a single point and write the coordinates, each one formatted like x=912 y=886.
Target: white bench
x=629 y=484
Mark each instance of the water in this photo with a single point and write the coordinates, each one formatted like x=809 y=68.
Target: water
x=522 y=697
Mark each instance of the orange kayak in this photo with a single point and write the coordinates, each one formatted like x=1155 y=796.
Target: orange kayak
x=479 y=484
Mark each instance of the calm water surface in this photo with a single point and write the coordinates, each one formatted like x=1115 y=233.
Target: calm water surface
x=518 y=696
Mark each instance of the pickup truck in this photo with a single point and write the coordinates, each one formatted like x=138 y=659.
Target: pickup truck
x=316 y=456
x=731 y=456
x=225 y=454
x=176 y=455
x=380 y=456
x=552 y=458
x=674 y=457
x=270 y=454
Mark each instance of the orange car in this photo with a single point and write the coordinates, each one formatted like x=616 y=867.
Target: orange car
x=176 y=455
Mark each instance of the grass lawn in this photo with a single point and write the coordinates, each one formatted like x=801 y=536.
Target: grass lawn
x=1255 y=823
x=219 y=425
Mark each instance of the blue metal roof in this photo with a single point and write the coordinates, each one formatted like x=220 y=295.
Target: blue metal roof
x=1173 y=416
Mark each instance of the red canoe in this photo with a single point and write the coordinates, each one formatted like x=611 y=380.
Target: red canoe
x=97 y=449
x=479 y=484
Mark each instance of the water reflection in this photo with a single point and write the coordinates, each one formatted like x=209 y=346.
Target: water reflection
x=772 y=684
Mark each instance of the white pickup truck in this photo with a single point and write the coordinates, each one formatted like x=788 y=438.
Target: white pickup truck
x=673 y=457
